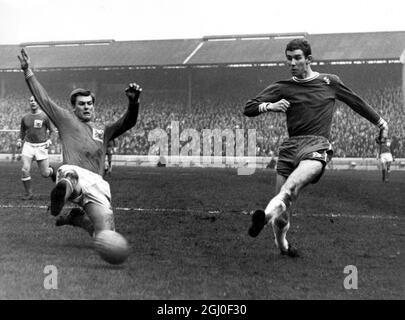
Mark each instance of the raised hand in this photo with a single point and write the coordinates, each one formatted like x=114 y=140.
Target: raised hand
x=382 y=135
x=133 y=92
x=24 y=59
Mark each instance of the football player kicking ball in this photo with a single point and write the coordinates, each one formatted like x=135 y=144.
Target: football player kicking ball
x=308 y=100
x=84 y=144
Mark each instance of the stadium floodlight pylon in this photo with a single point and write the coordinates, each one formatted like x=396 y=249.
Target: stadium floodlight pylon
x=402 y=59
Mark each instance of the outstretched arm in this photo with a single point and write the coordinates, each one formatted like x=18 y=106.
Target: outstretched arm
x=52 y=110
x=361 y=107
x=128 y=120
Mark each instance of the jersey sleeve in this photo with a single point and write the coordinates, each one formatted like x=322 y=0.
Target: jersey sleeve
x=356 y=103
x=57 y=114
x=270 y=94
x=126 y=122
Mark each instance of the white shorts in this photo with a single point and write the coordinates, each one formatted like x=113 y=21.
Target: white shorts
x=94 y=188
x=35 y=150
x=386 y=157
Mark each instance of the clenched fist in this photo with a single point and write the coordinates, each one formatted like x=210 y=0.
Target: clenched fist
x=133 y=92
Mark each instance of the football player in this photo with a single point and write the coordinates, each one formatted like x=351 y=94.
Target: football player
x=385 y=157
x=36 y=133
x=84 y=142
x=307 y=99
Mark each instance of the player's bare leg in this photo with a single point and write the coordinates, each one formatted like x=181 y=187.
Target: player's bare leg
x=26 y=177
x=387 y=178
x=384 y=171
x=101 y=217
x=276 y=211
x=46 y=170
x=94 y=218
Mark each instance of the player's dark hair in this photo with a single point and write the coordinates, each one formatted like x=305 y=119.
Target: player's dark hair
x=297 y=44
x=81 y=92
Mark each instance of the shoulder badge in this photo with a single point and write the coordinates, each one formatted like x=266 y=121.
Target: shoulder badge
x=327 y=80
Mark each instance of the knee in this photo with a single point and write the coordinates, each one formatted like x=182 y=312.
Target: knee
x=25 y=172
x=45 y=172
x=102 y=219
x=109 y=221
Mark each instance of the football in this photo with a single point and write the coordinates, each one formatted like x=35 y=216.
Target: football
x=111 y=246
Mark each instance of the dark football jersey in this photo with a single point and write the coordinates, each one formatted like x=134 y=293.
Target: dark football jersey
x=312 y=103
x=385 y=147
x=34 y=127
x=84 y=144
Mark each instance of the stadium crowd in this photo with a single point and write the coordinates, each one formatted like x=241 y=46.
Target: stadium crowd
x=352 y=136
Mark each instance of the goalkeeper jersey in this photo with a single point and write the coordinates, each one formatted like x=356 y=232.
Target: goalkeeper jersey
x=84 y=144
x=312 y=102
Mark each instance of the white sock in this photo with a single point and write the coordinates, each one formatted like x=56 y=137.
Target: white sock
x=275 y=208
x=280 y=236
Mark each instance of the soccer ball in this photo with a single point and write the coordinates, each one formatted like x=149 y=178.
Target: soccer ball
x=111 y=246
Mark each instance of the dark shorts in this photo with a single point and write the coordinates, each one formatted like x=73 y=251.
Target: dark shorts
x=295 y=149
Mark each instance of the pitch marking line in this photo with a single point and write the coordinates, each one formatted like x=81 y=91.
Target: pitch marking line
x=171 y=210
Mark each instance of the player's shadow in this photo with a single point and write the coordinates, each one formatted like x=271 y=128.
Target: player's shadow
x=104 y=266
x=79 y=246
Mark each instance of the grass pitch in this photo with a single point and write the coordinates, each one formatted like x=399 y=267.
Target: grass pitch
x=188 y=234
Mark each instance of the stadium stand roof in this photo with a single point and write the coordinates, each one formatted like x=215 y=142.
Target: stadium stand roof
x=208 y=51
x=325 y=47
x=98 y=54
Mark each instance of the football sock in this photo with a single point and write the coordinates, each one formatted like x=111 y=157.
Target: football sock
x=275 y=208
x=280 y=231
x=27 y=185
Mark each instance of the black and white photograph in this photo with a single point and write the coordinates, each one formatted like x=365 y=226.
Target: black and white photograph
x=204 y=151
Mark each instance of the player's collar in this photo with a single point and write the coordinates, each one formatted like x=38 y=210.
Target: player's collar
x=314 y=76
